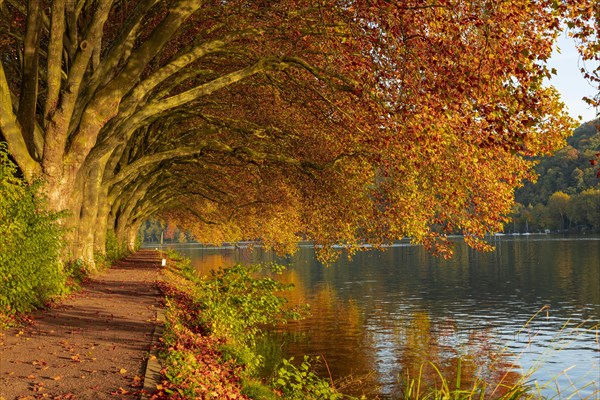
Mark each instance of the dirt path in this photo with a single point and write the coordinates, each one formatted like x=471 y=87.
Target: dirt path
x=91 y=346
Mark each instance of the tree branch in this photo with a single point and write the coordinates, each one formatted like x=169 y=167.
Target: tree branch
x=11 y=131
x=29 y=80
x=145 y=161
x=120 y=50
x=55 y=51
x=58 y=128
x=105 y=103
x=162 y=105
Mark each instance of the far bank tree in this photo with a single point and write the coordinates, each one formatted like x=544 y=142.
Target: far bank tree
x=333 y=121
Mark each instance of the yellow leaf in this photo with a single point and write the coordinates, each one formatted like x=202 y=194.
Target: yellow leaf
x=122 y=371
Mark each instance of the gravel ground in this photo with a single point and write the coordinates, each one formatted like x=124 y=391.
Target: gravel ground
x=93 y=345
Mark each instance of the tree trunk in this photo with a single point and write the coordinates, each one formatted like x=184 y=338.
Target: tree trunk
x=132 y=235
x=101 y=222
x=125 y=217
x=88 y=223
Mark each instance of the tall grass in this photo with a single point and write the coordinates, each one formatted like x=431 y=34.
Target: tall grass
x=514 y=383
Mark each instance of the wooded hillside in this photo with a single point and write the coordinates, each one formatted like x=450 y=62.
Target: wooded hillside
x=566 y=196
x=569 y=170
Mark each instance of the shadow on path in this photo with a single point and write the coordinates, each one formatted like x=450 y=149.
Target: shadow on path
x=93 y=345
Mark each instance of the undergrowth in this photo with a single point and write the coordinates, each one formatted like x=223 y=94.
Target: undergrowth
x=30 y=245
x=115 y=250
x=416 y=388
x=211 y=331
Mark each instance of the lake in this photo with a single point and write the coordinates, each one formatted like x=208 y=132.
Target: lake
x=532 y=306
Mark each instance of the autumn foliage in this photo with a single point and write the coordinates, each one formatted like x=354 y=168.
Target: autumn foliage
x=330 y=121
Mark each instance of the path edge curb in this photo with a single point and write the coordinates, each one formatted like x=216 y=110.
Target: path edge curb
x=152 y=373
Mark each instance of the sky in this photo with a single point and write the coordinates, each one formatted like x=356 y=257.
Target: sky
x=569 y=80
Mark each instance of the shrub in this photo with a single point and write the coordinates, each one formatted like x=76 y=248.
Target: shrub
x=30 y=243
x=300 y=382
x=237 y=304
x=211 y=330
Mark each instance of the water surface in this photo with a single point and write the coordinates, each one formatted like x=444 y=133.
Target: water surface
x=532 y=305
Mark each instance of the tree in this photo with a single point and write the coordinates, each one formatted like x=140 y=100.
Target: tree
x=558 y=205
x=584 y=209
x=334 y=121
x=30 y=244
x=541 y=217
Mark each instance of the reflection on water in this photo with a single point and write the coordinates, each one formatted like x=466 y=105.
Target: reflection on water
x=381 y=315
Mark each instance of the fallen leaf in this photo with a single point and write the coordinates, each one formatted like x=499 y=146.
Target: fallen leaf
x=122 y=371
x=136 y=381
x=121 y=391
x=57 y=378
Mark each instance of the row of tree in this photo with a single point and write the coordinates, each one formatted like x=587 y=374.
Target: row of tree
x=563 y=212
x=341 y=121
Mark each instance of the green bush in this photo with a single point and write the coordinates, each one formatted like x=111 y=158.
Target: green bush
x=301 y=383
x=30 y=243
x=213 y=324
x=115 y=250
x=237 y=304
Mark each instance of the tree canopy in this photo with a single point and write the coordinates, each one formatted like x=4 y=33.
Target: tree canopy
x=335 y=121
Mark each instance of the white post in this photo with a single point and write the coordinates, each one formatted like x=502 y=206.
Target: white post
x=164 y=261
